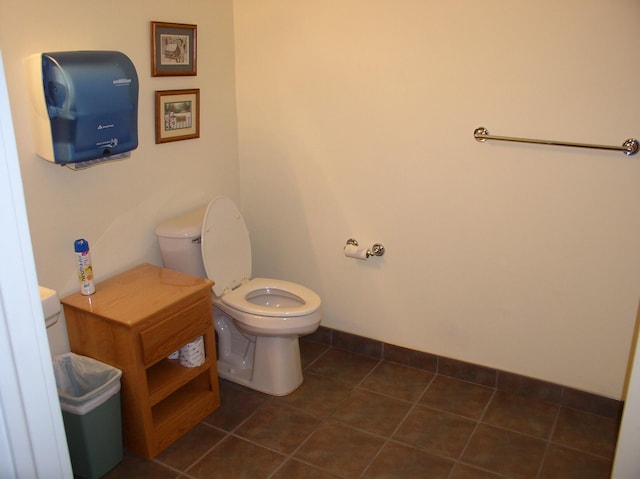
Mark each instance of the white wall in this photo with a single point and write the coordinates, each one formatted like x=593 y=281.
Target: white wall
x=356 y=118
x=116 y=206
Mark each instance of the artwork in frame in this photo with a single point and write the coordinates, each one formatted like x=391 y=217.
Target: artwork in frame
x=173 y=49
x=177 y=115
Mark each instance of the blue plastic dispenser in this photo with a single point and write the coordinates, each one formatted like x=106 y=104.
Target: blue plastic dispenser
x=85 y=106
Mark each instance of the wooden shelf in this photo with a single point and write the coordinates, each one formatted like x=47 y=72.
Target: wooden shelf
x=177 y=405
x=168 y=375
x=177 y=414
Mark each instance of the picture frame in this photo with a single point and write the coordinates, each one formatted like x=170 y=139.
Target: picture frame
x=177 y=115
x=173 y=49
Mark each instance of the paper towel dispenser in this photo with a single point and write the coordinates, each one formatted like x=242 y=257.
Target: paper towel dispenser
x=85 y=106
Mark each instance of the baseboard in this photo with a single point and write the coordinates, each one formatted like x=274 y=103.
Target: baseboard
x=502 y=380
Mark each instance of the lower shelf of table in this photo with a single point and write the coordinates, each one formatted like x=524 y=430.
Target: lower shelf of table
x=168 y=375
x=185 y=408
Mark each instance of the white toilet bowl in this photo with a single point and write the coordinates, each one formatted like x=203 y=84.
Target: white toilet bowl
x=269 y=307
x=258 y=320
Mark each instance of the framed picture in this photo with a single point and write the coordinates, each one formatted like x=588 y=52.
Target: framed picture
x=177 y=115
x=173 y=49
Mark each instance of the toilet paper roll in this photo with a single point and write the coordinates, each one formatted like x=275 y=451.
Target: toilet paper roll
x=192 y=354
x=353 y=251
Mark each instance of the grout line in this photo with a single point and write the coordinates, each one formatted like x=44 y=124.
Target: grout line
x=199 y=458
x=172 y=468
x=389 y=438
x=478 y=422
x=322 y=354
x=366 y=376
x=291 y=456
x=549 y=442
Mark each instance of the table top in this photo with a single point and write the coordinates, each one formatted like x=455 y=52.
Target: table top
x=134 y=295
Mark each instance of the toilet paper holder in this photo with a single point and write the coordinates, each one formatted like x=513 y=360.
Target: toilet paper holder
x=376 y=250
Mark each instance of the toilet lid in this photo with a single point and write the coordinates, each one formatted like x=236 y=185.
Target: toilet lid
x=226 y=249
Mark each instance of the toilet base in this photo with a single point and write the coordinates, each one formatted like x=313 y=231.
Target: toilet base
x=277 y=369
x=269 y=364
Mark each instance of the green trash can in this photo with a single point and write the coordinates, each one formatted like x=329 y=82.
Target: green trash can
x=89 y=393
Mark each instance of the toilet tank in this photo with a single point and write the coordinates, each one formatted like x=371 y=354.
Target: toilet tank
x=179 y=241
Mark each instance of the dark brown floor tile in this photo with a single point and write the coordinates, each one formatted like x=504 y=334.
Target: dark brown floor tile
x=294 y=469
x=278 y=427
x=399 y=461
x=237 y=404
x=318 y=395
x=310 y=351
x=436 y=432
x=521 y=414
x=505 y=452
x=190 y=447
x=134 y=467
x=398 y=381
x=456 y=396
x=344 y=366
x=571 y=464
x=410 y=357
x=235 y=458
x=463 y=471
x=372 y=412
x=587 y=432
x=340 y=449
x=468 y=372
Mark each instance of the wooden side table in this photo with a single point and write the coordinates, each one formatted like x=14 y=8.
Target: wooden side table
x=134 y=321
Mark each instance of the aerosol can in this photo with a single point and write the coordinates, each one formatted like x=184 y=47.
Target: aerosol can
x=85 y=269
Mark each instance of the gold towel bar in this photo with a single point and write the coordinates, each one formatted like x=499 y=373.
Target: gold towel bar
x=629 y=147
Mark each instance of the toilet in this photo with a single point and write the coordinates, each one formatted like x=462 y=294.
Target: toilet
x=257 y=320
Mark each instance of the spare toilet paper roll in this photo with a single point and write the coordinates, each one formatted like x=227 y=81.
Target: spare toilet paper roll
x=353 y=251
x=192 y=354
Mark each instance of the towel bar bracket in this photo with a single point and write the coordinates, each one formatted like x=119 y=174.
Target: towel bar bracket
x=631 y=144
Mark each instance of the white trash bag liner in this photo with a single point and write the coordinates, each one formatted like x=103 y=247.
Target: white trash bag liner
x=84 y=383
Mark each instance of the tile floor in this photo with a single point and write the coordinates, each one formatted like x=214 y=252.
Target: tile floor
x=359 y=417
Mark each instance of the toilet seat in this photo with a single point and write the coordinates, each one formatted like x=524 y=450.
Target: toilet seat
x=226 y=253
x=226 y=249
x=301 y=300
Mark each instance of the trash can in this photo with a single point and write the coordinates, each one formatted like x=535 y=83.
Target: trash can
x=89 y=393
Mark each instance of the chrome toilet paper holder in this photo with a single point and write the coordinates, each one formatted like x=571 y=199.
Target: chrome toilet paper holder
x=376 y=250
